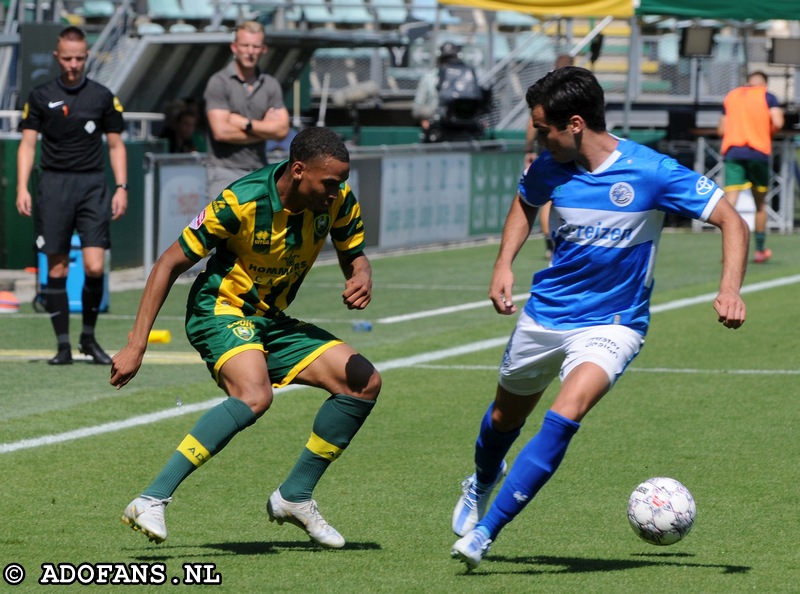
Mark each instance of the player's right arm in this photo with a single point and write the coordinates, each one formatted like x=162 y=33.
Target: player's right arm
x=172 y=263
x=776 y=118
x=26 y=153
x=516 y=230
x=227 y=126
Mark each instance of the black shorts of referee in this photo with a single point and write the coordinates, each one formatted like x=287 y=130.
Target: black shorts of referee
x=70 y=202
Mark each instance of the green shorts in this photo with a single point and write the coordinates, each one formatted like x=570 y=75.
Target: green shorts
x=290 y=345
x=746 y=173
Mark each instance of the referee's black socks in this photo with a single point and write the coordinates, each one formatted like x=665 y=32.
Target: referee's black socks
x=57 y=305
x=91 y=296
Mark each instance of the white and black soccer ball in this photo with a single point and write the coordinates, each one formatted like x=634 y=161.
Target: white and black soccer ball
x=661 y=511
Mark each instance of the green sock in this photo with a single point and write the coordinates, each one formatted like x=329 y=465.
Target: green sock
x=338 y=420
x=761 y=239
x=212 y=432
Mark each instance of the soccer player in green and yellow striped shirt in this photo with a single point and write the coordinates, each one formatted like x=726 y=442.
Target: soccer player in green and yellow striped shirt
x=265 y=230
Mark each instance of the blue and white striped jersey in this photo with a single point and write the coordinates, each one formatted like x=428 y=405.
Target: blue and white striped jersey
x=606 y=225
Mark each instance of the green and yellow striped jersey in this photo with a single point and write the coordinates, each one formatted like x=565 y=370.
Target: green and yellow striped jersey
x=263 y=252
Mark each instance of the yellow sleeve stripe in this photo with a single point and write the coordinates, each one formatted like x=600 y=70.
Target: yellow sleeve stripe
x=322 y=448
x=194 y=451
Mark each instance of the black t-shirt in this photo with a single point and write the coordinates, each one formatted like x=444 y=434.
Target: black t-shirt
x=72 y=121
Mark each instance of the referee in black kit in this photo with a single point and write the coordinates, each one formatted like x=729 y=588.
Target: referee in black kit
x=72 y=113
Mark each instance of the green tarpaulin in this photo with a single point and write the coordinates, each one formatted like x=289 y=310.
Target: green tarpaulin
x=740 y=10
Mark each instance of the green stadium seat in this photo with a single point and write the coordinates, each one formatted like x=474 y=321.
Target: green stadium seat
x=426 y=10
x=92 y=9
x=511 y=18
x=350 y=12
x=150 y=29
x=315 y=11
x=182 y=28
x=164 y=10
x=390 y=12
x=205 y=10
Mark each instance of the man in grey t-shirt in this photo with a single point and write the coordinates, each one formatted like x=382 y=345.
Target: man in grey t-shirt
x=245 y=108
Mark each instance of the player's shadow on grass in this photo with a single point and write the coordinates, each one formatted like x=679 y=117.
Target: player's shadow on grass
x=553 y=564
x=276 y=546
x=167 y=553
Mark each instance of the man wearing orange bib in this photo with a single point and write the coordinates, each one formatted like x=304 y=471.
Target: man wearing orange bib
x=751 y=115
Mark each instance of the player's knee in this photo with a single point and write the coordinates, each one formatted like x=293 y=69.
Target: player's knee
x=505 y=421
x=363 y=380
x=94 y=272
x=374 y=385
x=258 y=400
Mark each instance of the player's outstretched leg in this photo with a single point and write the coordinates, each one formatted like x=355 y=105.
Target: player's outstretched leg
x=146 y=514
x=210 y=435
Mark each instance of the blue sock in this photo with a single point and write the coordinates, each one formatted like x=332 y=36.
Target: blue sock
x=490 y=449
x=534 y=466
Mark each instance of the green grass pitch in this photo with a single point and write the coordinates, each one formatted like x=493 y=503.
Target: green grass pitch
x=714 y=408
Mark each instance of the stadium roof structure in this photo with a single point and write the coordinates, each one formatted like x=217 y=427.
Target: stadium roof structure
x=745 y=10
x=160 y=67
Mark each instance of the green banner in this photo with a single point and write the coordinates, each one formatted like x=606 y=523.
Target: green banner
x=745 y=10
x=495 y=177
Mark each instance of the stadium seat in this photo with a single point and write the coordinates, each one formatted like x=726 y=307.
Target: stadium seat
x=513 y=19
x=390 y=12
x=92 y=9
x=426 y=10
x=315 y=12
x=182 y=28
x=350 y=12
x=205 y=10
x=150 y=29
x=536 y=48
x=500 y=46
x=164 y=10
x=293 y=13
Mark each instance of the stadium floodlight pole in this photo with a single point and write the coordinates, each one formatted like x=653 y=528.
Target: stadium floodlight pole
x=296 y=92
x=323 y=100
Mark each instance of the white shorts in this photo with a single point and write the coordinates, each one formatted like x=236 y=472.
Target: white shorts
x=535 y=355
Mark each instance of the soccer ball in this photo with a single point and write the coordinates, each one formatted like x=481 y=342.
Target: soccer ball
x=661 y=511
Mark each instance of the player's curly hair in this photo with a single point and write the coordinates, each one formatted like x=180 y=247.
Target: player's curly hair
x=312 y=143
x=566 y=92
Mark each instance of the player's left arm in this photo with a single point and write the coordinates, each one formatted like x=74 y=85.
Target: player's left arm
x=735 y=241
x=358 y=279
x=118 y=156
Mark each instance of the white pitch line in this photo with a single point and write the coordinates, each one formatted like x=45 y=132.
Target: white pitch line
x=755 y=287
x=522 y=297
x=718 y=371
x=388 y=365
x=636 y=369
x=428 y=313
x=151 y=357
x=46 y=440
